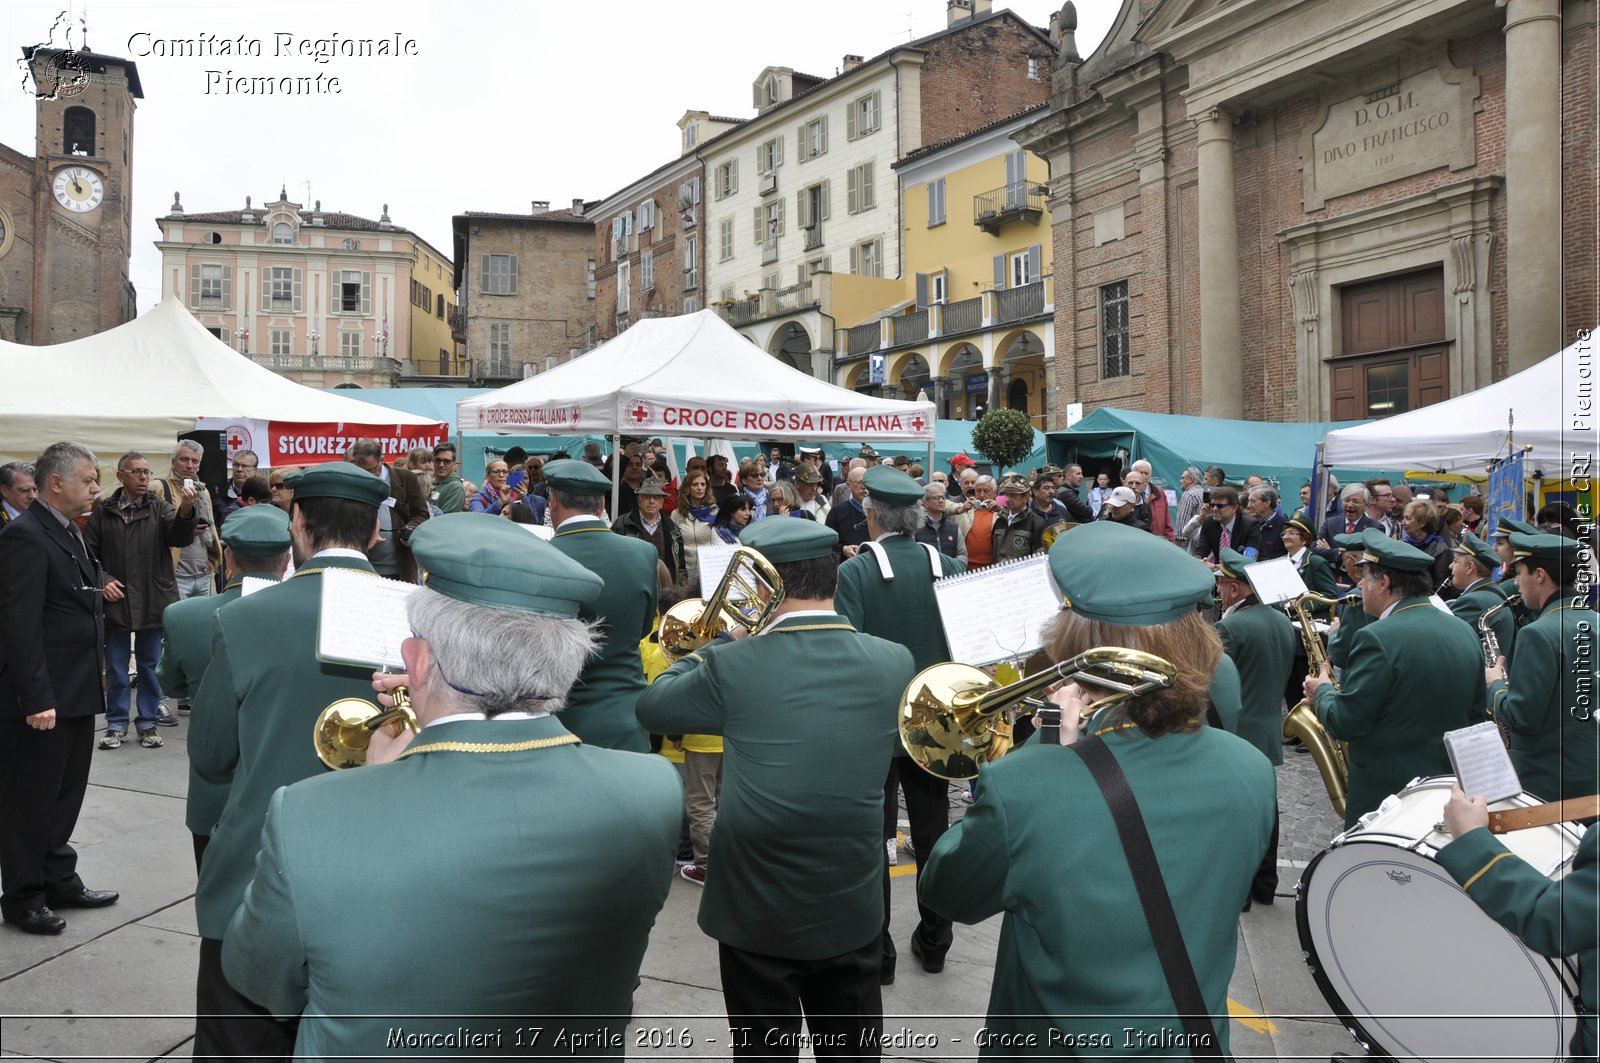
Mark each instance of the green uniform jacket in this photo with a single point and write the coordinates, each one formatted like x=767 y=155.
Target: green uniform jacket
x=1352 y=618
x=1317 y=575
x=1478 y=599
x=1552 y=917
x=1227 y=694
x=1075 y=957
x=449 y=494
x=456 y=883
x=797 y=851
x=600 y=708
x=253 y=717
x=1547 y=712
x=185 y=655
x=1412 y=676
x=1261 y=642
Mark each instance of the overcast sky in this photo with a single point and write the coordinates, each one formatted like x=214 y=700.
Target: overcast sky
x=501 y=104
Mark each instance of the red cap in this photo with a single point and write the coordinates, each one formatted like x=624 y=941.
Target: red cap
x=961 y=461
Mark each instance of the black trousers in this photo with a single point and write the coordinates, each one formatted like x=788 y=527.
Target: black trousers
x=200 y=843
x=928 y=809
x=1265 y=883
x=840 y=996
x=43 y=777
x=229 y=1025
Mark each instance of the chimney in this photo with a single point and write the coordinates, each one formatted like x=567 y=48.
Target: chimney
x=981 y=7
x=956 y=10
x=851 y=62
x=577 y=207
x=541 y=205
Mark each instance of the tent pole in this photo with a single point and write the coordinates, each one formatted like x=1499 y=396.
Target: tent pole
x=616 y=476
x=931 y=459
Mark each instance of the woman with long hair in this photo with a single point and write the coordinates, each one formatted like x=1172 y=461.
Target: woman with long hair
x=694 y=515
x=732 y=518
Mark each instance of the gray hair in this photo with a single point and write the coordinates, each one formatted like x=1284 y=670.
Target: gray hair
x=902 y=519
x=1143 y=466
x=59 y=459
x=1355 y=491
x=11 y=470
x=987 y=479
x=132 y=455
x=245 y=454
x=578 y=503
x=188 y=444
x=1265 y=493
x=936 y=489
x=791 y=497
x=1192 y=473
x=470 y=643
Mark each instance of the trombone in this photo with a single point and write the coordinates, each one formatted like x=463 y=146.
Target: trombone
x=344 y=729
x=950 y=714
x=749 y=592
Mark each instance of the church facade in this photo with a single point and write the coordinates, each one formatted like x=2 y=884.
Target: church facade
x=66 y=211
x=1290 y=210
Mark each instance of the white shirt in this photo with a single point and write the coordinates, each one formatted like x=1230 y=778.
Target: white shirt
x=796 y=613
x=458 y=716
x=580 y=516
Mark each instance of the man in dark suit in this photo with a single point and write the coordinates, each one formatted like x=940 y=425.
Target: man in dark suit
x=1352 y=520
x=52 y=636
x=17 y=490
x=1261 y=505
x=1226 y=527
x=410 y=505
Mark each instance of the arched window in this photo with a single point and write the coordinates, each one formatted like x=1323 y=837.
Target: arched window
x=77 y=131
x=282 y=233
x=1017 y=395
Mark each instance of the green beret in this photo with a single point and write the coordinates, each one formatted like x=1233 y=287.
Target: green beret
x=484 y=560
x=576 y=477
x=1544 y=546
x=651 y=486
x=1231 y=564
x=891 y=486
x=338 y=479
x=1475 y=548
x=256 y=531
x=1092 y=565
x=1378 y=549
x=1303 y=523
x=1509 y=525
x=786 y=539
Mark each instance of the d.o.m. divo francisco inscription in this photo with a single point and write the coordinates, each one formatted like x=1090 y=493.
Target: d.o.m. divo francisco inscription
x=1392 y=131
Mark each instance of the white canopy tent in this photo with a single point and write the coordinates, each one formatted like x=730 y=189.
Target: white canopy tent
x=140 y=385
x=692 y=376
x=1547 y=410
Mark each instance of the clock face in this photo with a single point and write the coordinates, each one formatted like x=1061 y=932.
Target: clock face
x=79 y=189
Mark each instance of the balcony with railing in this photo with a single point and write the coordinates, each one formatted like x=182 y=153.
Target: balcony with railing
x=741 y=312
x=772 y=302
x=813 y=235
x=312 y=363
x=1017 y=201
x=499 y=370
x=1019 y=304
x=911 y=328
x=445 y=368
x=862 y=339
x=963 y=316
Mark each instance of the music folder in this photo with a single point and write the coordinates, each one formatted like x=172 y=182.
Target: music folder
x=1275 y=581
x=362 y=619
x=1482 y=764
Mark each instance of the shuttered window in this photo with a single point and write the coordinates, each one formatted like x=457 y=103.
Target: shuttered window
x=499 y=274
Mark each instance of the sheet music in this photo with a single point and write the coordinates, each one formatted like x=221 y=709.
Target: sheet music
x=997 y=613
x=540 y=531
x=363 y=619
x=1482 y=763
x=713 y=559
x=1276 y=580
x=251 y=584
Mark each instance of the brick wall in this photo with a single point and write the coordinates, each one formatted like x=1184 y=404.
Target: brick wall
x=551 y=310
x=979 y=74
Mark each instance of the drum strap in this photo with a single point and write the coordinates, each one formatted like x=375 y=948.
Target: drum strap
x=1153 y=895
x=1573 y=808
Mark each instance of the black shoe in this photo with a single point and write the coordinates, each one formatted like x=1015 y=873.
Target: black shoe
x=84 y=898
x=40 y=920
x=1262 y=896
x=931 y=964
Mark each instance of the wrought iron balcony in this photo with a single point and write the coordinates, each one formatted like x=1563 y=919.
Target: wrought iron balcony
x=302 y=363
x=1013 y=202
x=1019 y=304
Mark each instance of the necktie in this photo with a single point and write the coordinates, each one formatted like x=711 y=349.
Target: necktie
x=1227 y=537
x=1349 y=527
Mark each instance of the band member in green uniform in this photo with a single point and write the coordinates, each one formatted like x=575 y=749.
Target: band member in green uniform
x=1547 y=705
x=1500 y=539
x=600 y=708
x=1552 y=916
x=1415 y=672
x=1077 y=971
x=1472 y=572
x=493 y=789
x=252 y=723
x=887 y=590
x=794 y=888
x=1348 y=619
x=255 y=543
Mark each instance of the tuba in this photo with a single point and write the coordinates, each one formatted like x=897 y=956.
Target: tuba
x=950 y=714
x=748 y=593
x=1331 y=754
x=345 y=728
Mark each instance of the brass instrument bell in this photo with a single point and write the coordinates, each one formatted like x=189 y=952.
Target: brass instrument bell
x=344 y=729
x=1331 y=755
x=749 y=592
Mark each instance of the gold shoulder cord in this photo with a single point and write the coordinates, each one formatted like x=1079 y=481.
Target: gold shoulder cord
x=491 y=747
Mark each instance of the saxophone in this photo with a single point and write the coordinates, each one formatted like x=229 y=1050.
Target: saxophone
x=1329 y=753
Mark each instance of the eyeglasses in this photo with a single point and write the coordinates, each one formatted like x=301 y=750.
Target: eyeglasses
x=1221 y=505
x=136 y=472
x=242 y=465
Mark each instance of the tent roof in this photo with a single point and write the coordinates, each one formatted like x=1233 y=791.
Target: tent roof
x=691 y=376
x=436 y=404
x=1538 y=407
x=1170 y=442
x=141 y=384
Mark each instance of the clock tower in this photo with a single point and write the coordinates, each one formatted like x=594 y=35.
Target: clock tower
x=73 y=237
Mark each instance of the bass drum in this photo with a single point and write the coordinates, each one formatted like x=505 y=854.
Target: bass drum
x=1414 y=968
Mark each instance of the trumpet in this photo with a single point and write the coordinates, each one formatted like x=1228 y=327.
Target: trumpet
x=1330 y=754
x=344 y=729
x=950 y=714
x=749 y=592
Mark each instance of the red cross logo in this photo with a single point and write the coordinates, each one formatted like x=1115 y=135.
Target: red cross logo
x=234 y=443
x=238 y=438
x=641 y=413
x=917 y=423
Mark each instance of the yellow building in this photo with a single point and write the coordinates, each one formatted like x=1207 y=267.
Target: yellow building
x=434 y=353
x=972 y=328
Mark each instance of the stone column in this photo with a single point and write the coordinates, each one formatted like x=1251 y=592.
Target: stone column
x=1221 y=370
x=1534 y=319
